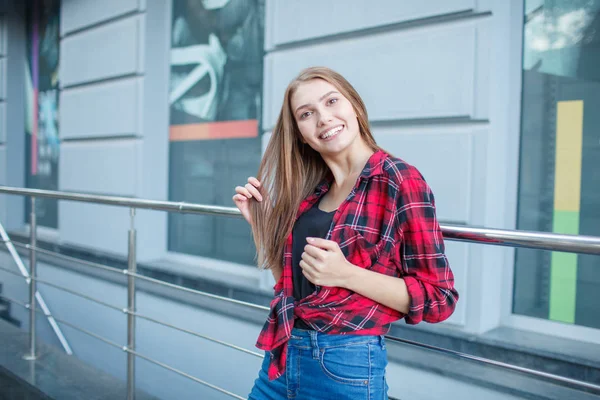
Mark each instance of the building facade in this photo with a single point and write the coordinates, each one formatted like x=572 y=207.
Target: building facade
x=493 y=101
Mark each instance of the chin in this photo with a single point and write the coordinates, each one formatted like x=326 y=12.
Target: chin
x=336 y=148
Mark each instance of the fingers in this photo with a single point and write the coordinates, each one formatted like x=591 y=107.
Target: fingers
x=312 y=251
x=322 y=243
x=307 y=258
x=249 y=190
x=243 y=191
x=307 y=271
x=254 y=181
x=310 y=277
x=239 y=198
x=254 y=191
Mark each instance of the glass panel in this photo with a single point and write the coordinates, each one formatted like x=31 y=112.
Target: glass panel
x=559 y=182
x=41 y=106
x=215 y=106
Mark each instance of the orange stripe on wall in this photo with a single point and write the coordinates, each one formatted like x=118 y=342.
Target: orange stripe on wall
x=214 y=130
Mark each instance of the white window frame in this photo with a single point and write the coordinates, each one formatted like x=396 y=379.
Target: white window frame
x=508 y=318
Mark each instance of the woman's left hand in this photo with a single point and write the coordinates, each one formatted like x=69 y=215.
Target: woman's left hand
x=324 y=264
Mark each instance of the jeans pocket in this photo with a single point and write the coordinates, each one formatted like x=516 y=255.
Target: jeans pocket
x=347 y=364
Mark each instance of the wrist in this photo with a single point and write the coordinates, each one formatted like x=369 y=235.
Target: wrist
x=353 y=277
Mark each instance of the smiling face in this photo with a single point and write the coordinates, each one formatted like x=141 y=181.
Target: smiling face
x=326 y=119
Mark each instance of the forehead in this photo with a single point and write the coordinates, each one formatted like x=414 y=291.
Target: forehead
x=310 y=92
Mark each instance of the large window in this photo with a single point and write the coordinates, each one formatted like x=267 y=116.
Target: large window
x=215 y=107
x=559 y=184
x=41 y=96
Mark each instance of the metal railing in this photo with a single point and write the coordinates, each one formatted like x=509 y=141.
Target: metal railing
x=535 y=240
x=25 y=274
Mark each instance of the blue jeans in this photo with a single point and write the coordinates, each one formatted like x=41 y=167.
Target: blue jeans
x=321 y=366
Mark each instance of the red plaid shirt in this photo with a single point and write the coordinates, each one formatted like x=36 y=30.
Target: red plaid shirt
x=388 y=225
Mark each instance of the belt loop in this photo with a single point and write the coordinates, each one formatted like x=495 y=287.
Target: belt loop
x=314 y=344
x=382 y=341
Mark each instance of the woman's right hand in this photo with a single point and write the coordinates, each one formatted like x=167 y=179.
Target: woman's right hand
x=246 y=193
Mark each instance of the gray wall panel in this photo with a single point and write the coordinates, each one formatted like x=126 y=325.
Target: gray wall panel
x=446 y=166
x=400 y=75
x=105 y=228
x=2 y=78
x=78 y=14
x=106 y=109
x=317 y=18
x=100 y=167
x=14 y=124
x=94 y=226
x=3 y=168
x=2 y=122
x=3 y=165
x=110 y=51
x=3 y=35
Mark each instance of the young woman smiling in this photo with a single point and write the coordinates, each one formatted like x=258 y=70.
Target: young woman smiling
x=351 y=236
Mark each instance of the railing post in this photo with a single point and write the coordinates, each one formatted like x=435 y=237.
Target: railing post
x=32 y=283
x=131 y=268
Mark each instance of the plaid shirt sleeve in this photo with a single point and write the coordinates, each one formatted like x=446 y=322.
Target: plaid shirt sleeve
x=421 y=256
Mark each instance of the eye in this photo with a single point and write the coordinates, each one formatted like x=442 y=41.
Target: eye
x=306 y=115
x=331 y=101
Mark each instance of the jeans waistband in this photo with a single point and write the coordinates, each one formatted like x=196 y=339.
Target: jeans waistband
x=314 y=339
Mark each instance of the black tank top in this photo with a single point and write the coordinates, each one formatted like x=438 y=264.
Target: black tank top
x=313 y=223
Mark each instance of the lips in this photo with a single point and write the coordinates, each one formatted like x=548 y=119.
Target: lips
x=329 y=133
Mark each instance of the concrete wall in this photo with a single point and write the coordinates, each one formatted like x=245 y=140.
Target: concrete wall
x=12 y=111
x=114 y=119
x=440 y=80
x=433 y=77
x=3 y=161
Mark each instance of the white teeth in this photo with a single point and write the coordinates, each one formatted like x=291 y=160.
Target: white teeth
x=331 y=132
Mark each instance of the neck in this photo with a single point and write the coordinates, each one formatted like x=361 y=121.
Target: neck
x=348 y=164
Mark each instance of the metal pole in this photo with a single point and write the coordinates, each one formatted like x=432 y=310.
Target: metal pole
x=131 y=268
x=32 y=286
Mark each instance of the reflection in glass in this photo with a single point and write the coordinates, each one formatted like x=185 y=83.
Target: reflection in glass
x=215 y=106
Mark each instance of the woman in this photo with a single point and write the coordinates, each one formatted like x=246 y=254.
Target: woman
x=351 y=237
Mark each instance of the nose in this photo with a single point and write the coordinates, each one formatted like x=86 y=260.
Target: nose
x=324 y=117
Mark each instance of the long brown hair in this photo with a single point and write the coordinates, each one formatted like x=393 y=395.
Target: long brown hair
x=290 y=169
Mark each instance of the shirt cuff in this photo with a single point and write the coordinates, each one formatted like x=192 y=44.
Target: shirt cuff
x=416 y=302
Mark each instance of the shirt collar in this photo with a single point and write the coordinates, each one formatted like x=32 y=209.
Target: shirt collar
x=374 y=165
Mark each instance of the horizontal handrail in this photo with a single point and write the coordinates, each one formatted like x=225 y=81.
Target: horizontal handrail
x=581 y=244
x=26 y=305
x=179 y=207
x=499 y=237
x=194 y=291
x=125 y=273
x=8 y=271
x=231 y=346
x=64 y=257
x=78 y=294
x=487 y=361
x=15 y=301
x=165 y=366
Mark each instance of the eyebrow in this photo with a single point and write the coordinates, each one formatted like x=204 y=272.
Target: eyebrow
x=320 y=99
